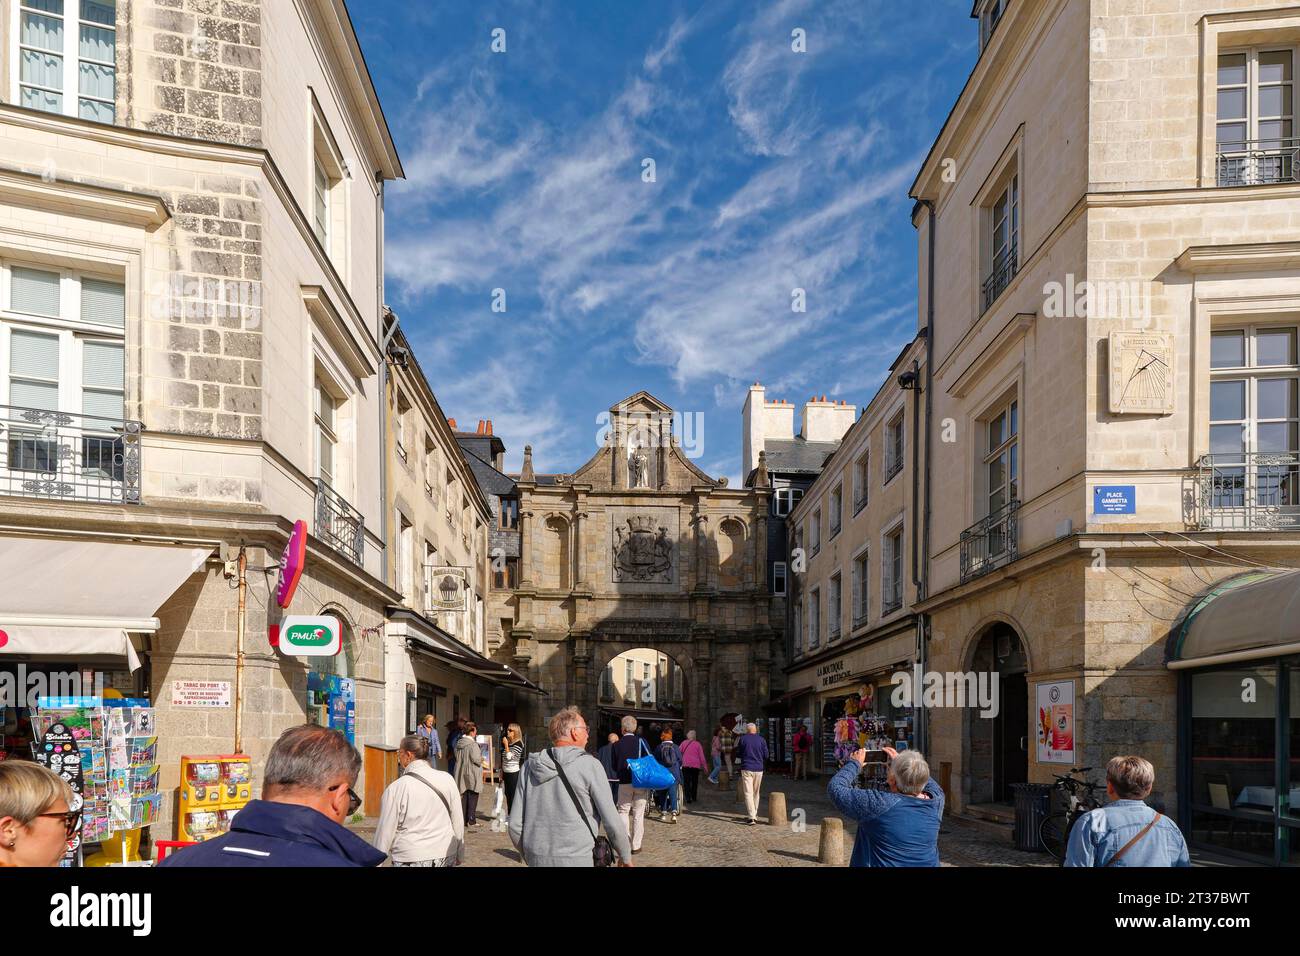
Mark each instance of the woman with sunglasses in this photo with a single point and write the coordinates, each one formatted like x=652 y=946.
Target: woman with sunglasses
x=35 y=822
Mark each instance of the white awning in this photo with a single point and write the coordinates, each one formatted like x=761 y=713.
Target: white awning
x=77 y=599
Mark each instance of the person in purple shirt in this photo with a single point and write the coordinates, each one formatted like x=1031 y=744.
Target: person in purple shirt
x=898 y=826
x=751 y=753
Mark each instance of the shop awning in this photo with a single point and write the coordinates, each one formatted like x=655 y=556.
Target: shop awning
x=423 y=636
x=79 y=600
x=1248 y=617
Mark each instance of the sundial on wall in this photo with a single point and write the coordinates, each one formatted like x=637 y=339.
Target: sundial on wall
x=1141 y=373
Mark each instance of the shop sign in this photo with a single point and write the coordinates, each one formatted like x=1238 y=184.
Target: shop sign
x=201 y=693
x=292 y=562
x=448 y=588
x=302 y=636
x=828 y=675
x=1114 y=500
x=1055 y=725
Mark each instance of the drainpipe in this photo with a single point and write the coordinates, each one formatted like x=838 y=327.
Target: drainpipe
x=386 y=336
x=923 y=586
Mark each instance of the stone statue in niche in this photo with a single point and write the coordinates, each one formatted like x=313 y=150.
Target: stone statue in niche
x=641 y=554
x=638 y=468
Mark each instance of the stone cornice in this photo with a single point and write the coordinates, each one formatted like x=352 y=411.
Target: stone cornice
x=360 y=362
x=95 y=202
x=1240 y=257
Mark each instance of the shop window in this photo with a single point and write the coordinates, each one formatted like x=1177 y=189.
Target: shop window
x=331 y=688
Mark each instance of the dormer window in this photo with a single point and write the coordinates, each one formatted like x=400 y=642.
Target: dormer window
x=990 y=15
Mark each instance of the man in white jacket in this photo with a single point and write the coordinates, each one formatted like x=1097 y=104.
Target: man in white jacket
x=420 y=819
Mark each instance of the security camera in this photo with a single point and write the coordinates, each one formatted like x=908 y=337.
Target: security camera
x=908 y=379
x=399 y=355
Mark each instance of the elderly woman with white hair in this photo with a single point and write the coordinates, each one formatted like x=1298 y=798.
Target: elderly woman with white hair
x=898 y=826
x=693 y=764
x=35 y=820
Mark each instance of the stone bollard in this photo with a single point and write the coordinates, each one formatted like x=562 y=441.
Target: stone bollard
x=831 y=849
x=724 y=779
x=776 y=809
x=739 y=797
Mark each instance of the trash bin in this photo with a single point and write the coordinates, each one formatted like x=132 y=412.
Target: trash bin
x=1033 y=804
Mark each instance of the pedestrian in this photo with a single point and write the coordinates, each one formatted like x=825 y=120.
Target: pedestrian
x=469 y=772
x=455 y=730
x=307 y=793
x=751 y=752
x=898 y=826
x=35 y=820
x=715 y=749
x=563 y=799
x=420 y=819
x=606 y=756
x=429 y=732
x=1127 y=832
x=669 y=756
x=692 y=764
x=802 y=744
x=512 y=757
x=631 y=800
x=727 y=740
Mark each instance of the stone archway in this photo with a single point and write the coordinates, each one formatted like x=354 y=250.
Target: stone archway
x=651 y=682
x=995 y=750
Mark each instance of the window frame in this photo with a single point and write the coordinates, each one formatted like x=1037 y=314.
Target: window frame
x=1251 y=86
x=895 y=446
x=891 y=558
x=834 y=607
x=835 y=510
x=779 y=571
x=814 y=618
x=861 y=578
x=70 y=53
x=861 y=481
x=1009 y=410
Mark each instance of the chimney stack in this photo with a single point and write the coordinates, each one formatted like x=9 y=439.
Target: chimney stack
x=452 y=422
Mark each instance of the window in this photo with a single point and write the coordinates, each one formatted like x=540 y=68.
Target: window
x=891 y=573
x=861 y=481
x=507 y=577
x=815 y=535
x=404 y=558
x=798 y=628
x=990 y=16
x=894 y=447
x=784 y=500
x=836 y=509
x=1001 y=463
x=402 y=423
x=326 y=411
x=778 y=577
x=629 y=681
x=66 y=46
x=1254 y=419
x=607 y=684
x=320 y=203
x=430 y=561
x=62 y=349
x=814 y=618
x=1001 y=242
x=328 y=197
x=509 y=513
x=860 y=590
x=833 y=610
x=1255 y=116
x=430 y=465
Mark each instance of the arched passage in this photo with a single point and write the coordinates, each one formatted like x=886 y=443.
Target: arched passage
x=649 y=683
x=997 y=748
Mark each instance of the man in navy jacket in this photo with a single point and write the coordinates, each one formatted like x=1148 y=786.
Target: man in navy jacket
x=306 y=795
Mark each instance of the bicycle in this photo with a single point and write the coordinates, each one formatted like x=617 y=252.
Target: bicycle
x=1074 y=799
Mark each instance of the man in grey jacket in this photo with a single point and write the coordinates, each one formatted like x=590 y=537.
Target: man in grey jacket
x=545 y=825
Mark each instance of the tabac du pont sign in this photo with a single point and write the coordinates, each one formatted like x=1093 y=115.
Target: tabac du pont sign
x=310 y=636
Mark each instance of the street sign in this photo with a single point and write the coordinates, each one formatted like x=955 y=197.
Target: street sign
x=1114 y=500
x=310 y=636
x=292 y=561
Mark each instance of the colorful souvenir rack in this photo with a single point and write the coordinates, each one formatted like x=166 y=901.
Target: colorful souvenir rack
x=117 y=747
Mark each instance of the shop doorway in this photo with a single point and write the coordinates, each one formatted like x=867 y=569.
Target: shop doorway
x=998 y=746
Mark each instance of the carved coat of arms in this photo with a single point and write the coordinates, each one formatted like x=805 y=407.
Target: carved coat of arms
x=642 y=552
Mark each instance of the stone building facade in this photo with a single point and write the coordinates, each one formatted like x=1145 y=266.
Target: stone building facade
x=1112 y=232
x=639 y=548
x=197 y=242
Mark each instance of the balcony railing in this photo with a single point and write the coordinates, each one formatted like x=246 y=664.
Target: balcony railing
x=1000 y=275
x=1255 y=492
x=338 y=524
x=990 y=543
x=61 y=455
x=1257 y=162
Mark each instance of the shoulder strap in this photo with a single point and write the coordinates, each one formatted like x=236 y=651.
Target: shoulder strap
x=1129 y=845
x=431 y=787
x=643 y=746
x=569 y=787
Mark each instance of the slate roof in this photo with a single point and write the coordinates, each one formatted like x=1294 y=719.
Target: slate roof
x=795 y=456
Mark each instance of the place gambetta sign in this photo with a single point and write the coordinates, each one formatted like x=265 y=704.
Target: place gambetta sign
x=302 y=636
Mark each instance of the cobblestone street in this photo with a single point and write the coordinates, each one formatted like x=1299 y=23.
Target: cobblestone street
x=713 y=833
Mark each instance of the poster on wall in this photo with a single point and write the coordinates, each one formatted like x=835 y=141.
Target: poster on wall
x=332 y=702
x=1055 y=721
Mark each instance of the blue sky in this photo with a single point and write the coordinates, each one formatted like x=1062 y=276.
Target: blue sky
x=773 y=170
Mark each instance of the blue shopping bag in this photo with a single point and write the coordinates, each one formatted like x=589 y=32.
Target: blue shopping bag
x=648 y=773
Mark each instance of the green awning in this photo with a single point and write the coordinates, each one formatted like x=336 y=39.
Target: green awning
x=1248 y=617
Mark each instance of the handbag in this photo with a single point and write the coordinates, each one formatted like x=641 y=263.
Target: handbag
x=648 y=773
x=602 y=852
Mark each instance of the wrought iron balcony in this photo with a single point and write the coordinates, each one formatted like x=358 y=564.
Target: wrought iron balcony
x=1255 y=492
x=1003 y=270
x=1257 y=162
x=70 y=457
x=338 y=524
x=991 y=542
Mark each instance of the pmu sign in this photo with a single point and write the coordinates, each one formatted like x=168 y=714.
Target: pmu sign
x=310 y=636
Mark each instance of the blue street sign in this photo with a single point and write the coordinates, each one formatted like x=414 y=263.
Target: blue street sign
x=1114 y=500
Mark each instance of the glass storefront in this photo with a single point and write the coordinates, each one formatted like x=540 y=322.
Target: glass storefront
x=1241 y=760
